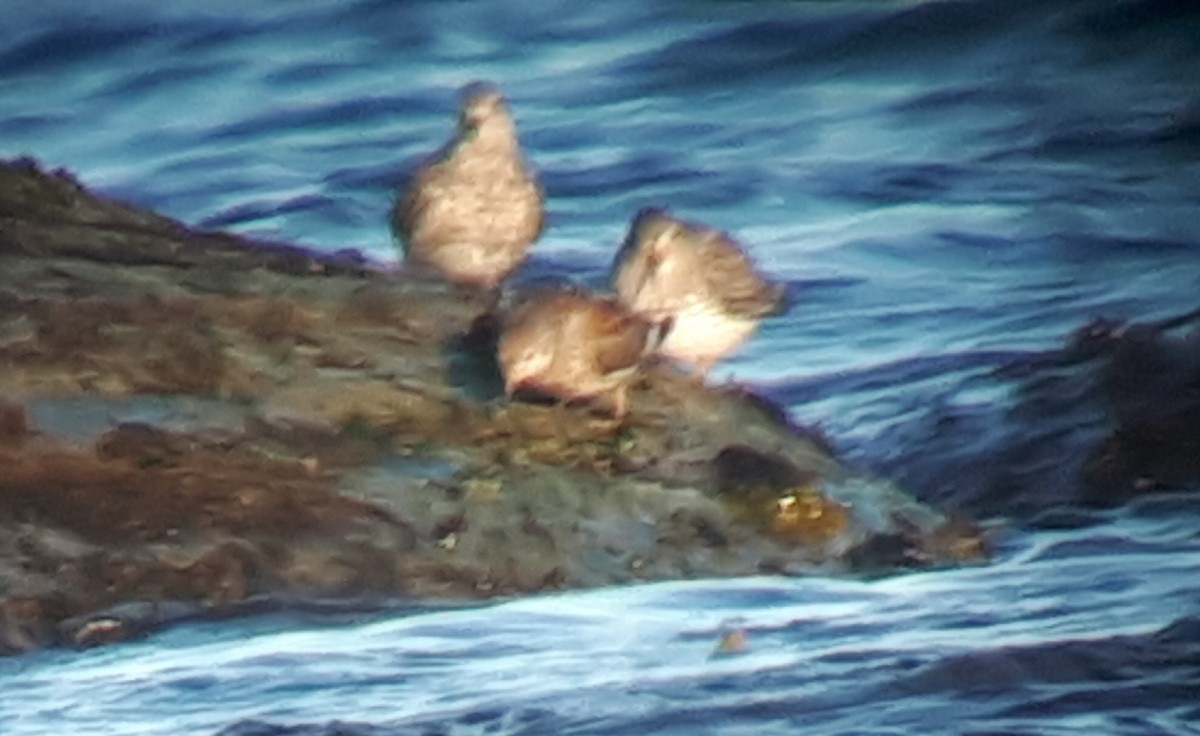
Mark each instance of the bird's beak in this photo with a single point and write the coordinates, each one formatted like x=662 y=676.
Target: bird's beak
x=659 y=245
x=658 y=334
x=658 y=248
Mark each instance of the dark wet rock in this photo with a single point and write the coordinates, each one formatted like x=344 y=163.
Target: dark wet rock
x=778 y=496
x=51 y=214
x=191 y=422
x=955 y=540
x=14 y=425
x=1149 y=376
x=125 y=621
x=142 y=444
x=1111 y=417
x=742 y=471
x=885 y=552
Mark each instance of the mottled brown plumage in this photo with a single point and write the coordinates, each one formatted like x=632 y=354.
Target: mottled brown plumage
x=573 y=345
x=472 y=210
x=697 y=280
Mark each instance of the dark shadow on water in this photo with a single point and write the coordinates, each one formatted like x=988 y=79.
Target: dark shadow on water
x=1135 y=672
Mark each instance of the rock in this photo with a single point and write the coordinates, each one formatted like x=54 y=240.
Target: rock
x=14 y=425
x=1149 y=378
x=223 y=421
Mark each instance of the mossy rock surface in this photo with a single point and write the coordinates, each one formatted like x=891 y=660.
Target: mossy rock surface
x=192 y=423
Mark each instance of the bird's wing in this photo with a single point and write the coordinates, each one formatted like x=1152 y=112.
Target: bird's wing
x=620 y=339
x=541 y=198
x=730 y=276
x=632 y=270
x=419 y=193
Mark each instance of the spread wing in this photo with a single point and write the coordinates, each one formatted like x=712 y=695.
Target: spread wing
x=730 y=275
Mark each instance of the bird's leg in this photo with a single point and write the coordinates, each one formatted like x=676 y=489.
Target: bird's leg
x=699 y=372
x=559 y=418
x=620 y=403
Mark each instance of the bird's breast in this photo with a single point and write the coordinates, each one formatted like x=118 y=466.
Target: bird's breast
x=703 y=331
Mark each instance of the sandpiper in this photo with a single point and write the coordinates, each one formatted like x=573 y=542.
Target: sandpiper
x=574 y=346
x=471 y=211
x=695 y=280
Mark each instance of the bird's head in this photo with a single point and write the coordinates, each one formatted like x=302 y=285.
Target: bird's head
x=653 y=228
x=483 y=112
x=524 y=356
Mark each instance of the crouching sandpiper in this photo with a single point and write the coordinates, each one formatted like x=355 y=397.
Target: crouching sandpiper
x=574 y=346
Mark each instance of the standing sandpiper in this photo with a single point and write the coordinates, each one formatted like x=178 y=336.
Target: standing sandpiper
x=471 y=211
x=574 y=346
x=697 y=281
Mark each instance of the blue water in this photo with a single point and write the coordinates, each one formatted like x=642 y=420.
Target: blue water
x=948 y=187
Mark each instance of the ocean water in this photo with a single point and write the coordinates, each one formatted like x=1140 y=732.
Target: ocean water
x=948 y=188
